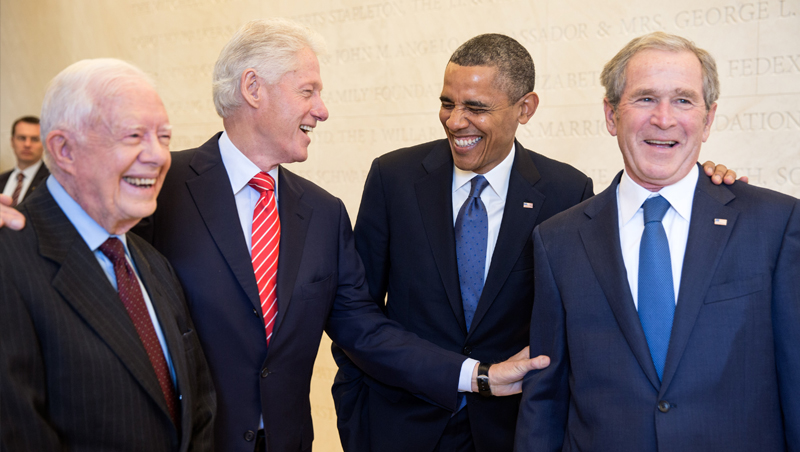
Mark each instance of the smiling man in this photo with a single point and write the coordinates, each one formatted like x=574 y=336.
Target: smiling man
x=668 y=305
x=444 y=230
x=97 y=348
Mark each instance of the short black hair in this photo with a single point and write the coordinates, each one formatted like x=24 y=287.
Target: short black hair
x=27 y=119
x=516 y=74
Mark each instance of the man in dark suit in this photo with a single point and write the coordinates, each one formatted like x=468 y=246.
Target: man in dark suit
x=669 y=306
x=407 y=236
x=29 y=171
x=267 y=90
x=97 y=348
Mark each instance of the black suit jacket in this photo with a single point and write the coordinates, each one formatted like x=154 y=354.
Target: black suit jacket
x=38 y=179
x=732 y=370
x=404 y=233
x=320 y=287
x=74 y=374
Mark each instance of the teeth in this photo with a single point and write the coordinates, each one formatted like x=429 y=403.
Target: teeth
x=306 y=128
x=664 y=143
x=140 y=181
x=464 y=142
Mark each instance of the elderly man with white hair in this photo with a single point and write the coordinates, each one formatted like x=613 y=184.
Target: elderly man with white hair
x=97 y=348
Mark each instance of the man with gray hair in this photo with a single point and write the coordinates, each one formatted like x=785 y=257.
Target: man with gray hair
x=267 y=258
x=97 y=347
x=668 y=305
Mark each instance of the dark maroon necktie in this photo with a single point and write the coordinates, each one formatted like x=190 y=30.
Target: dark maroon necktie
x=131 y=295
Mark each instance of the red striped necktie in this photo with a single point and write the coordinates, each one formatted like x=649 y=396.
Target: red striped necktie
x=265 y=241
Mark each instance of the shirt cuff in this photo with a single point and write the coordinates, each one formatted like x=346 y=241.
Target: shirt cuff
x=465 y=379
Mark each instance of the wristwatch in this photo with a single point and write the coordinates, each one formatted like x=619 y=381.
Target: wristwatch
x=483 y=380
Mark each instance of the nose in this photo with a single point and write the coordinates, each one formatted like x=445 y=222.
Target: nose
x=457 y=119
x=663 y=116
x=320 y=112
x=155 y=151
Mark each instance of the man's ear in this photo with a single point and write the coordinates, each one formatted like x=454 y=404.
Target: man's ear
x=250 y=86
x=62 y=146
x=528 y=105
x=611 y=119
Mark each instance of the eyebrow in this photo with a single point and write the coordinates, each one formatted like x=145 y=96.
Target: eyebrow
x=469 y=103
x=691 y=94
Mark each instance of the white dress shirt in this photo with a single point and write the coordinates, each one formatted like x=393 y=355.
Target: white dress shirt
x=494 y=198
x=240 y=171
x=94 y=235
x=630 y=197
x=29 y=172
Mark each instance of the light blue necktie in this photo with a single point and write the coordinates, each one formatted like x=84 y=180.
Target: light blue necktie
x=472 y=230
x=656 y=292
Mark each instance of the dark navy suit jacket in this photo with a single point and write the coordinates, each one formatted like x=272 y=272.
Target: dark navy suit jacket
x=732 y=370
x=321 y=286
x=404 y=233
x=38 y=179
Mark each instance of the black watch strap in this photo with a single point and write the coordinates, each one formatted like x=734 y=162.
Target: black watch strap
x=483 y=380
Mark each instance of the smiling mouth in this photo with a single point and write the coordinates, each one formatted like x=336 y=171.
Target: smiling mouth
x=466 y=142
x=661 y=143
x=305 y=128
x=140 y=182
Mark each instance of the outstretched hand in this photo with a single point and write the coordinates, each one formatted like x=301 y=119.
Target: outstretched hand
x=720 y=174
x=506 y=378
x=9 y=217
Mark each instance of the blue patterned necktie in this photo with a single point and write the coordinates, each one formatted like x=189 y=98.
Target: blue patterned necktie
x=656 y=291
x=472 y=230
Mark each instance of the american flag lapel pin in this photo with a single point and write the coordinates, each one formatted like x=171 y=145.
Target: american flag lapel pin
x=720 y=222
x=527 y=205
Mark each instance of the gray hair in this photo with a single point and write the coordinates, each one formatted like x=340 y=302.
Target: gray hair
x=73 y=98
x=613 y=75
x=516 y=74
x=269 y=46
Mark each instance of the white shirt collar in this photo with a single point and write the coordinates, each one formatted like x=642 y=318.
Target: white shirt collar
x=680 y=195
x=29 y=172
x=497 y=177
x=240 y=169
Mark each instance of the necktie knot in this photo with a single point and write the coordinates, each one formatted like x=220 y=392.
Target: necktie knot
x=655 y=208
x=20 y=177
x=478 y=184
x=262 y=182
x=113 y=249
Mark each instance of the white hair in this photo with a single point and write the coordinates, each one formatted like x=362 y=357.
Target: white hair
x=269 y=46
x=73 y=98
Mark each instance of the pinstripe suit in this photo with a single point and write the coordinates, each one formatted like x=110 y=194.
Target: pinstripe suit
x=73 y=372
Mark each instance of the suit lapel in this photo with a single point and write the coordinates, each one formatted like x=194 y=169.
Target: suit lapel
x=214 y=199
x=515 y=228
x=704 y=248
x=600 y=238
x=434 y=193
x=84 y=285
x=295 y=216
x=166 y=319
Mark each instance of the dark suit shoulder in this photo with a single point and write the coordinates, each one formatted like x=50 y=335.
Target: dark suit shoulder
x=312 y=192
x=4 y=178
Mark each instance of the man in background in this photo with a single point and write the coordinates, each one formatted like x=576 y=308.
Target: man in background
x=97 y=348
x=29 y=171
x=668 y=305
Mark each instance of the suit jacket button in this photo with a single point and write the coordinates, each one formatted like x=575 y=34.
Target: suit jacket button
x=467 y=350
x=664 y=406
x=264 y=372
x=249 y=435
